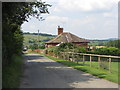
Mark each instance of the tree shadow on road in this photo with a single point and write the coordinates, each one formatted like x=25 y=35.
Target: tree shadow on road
x=46 y=73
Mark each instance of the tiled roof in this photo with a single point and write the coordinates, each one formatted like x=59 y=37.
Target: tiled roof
x=67 y=37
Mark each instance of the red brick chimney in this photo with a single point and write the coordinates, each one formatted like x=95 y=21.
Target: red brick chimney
x=60 y=30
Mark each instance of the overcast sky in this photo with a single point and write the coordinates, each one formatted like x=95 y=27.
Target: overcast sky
x=90 y=19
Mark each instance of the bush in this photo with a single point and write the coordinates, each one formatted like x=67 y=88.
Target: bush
x=107 y=51
x=12 y=73
x=41 y=46
x=67 y=45
x=80 y=50
x=34 y=46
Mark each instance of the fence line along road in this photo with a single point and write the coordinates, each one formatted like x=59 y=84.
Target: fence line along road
x=109 y=56
x=99 y=58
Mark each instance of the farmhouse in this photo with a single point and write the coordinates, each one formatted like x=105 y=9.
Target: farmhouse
x=64 y=37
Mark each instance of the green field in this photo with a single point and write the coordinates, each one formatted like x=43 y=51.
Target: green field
x=98 y=43
x=114 y=65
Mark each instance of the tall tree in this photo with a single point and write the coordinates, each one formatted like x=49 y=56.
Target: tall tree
x=14 y=14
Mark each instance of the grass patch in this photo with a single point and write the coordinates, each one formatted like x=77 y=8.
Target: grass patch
x=12 y=73
x=101 y=73
x=114 y=65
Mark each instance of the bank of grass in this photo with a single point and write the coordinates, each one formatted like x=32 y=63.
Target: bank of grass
x=12 y=73
x=101 y=73
x=114 y=65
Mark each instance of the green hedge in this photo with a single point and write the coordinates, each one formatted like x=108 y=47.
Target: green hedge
x=106 y=51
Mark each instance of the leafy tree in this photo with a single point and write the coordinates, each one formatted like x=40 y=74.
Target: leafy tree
x=66 y=46
x=34 y=46
x=14 y=14
x=42 y=46
x=80 y=50
x=107 y=51
x=115 y=43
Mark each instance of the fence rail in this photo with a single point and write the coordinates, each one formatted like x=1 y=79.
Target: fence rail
x=93 y=55
x=106 y=64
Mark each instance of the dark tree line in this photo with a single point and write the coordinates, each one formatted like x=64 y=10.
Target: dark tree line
x=14 y=14
x=115 y=43
x=41 y=34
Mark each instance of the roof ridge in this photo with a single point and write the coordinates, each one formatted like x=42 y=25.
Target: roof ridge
x=70 y=37
x=78 y=37
x=67 y=37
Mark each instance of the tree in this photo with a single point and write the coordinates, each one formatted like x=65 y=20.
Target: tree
x=42 y=46
x=80 y=50
x=107 y=51
x=14 y=14
x=34 y=46
x=115 y=43
x=65 y=46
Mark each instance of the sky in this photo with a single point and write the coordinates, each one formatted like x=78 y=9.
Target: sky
x=90 y=19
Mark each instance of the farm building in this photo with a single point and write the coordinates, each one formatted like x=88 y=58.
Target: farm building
x=64 y=37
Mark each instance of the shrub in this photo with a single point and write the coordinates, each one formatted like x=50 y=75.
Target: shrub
x=80 y=50
x=34 y=46
x=107 y=51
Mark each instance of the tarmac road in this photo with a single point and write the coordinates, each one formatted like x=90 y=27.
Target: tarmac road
x=41 y=72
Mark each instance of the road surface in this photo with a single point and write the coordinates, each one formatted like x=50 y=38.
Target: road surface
x=41 y=72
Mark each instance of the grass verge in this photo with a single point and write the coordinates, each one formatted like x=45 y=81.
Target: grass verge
x=101 y=73
x=12 y=73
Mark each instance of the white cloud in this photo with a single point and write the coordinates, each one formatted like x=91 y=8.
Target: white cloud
x=110 y=14
x=86 y=5
x=107 y=14
x=67 y=13
x=56 y=9
x=56 y=19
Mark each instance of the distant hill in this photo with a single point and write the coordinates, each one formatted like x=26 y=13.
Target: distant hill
x=100 y=42
x=109 y=39
x=31 y=38
x=41 y=34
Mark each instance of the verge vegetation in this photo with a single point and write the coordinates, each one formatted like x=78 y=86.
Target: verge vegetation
x=54 y=53
x=101 y=73
x=12 y=73
x=14 y=14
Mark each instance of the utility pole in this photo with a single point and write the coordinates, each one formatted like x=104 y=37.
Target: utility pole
x=41 y=19
x=38 y=38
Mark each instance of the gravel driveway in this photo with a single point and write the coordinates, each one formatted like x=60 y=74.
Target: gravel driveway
x=41 y=72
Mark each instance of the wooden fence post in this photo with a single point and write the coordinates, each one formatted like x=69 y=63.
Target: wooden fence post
x=83 y=59
x=90 y=60
x=109 y=64
x=68 y=56
x=98 y=61
x=72 y=57
x=64 y=55
x=77 y=58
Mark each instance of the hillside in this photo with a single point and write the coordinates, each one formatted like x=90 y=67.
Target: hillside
x=102 y=42
x=31 y=38
x=98 y=42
